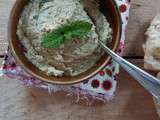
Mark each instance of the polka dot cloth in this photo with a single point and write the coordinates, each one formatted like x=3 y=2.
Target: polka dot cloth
x=101 y=86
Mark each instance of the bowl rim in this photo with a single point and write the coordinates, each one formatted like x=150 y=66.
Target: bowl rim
x=27 y=70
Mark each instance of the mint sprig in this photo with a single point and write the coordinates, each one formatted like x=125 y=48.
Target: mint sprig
x=77 y=29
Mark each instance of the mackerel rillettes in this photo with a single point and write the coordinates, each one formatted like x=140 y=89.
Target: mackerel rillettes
x=74 y=56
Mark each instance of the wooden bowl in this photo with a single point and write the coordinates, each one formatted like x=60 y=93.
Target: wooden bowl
x=107 y=7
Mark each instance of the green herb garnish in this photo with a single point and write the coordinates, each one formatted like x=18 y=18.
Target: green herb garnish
x=57 y=37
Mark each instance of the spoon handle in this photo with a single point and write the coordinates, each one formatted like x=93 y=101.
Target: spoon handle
x=149 y=82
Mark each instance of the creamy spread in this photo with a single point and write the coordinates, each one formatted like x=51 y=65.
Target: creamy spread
x=74 y=56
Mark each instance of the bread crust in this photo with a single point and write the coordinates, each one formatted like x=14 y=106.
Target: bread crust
x=152 y=45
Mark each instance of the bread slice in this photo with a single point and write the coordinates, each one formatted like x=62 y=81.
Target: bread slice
x=158 y=75
x=152 y=45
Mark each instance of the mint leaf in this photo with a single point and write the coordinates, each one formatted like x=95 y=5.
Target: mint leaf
x=77 y=29
x=52 y=39
x=57 y=37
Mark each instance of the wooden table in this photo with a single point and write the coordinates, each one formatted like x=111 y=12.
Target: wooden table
x=132 y=102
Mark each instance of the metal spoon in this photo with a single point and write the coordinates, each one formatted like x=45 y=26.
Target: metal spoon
x=149 y=82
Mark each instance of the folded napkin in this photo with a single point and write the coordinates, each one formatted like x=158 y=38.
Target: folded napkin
x=101 y=86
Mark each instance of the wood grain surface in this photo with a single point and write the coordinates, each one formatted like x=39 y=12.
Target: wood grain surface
x=5 y=8
x=141 y=13
x=132 y=102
